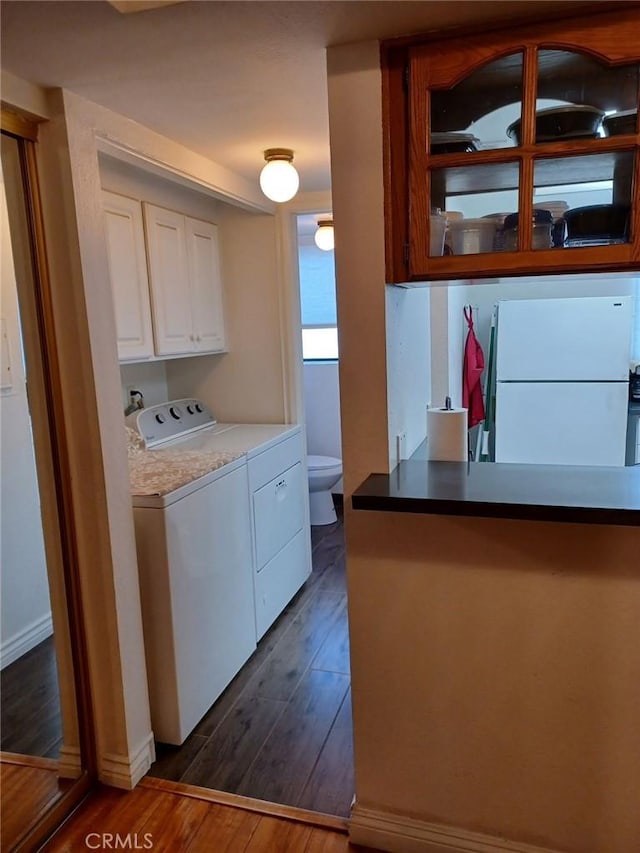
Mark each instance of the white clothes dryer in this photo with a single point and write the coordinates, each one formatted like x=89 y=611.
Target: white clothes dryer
x=223 y=539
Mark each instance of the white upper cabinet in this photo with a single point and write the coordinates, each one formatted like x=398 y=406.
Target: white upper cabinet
x=170 y=296
x=186 y=288
x=206 y=285
x=128 y=273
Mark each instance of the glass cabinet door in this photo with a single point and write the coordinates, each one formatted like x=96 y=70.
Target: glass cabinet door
x=518 y=150
x=474 y=114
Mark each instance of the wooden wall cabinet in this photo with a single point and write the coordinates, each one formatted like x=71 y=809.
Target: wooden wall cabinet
x=167 y=288
x=450 y=145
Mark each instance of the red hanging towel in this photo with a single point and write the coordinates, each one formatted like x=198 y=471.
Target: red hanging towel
x=472 y=368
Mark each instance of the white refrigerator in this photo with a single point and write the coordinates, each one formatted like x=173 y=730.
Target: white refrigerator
x=562 y=380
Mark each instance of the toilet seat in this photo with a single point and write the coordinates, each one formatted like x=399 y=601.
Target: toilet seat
x=322 y=463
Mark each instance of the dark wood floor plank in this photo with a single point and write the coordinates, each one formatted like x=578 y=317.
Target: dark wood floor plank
x=333 y=654
x=231 y=750
x=281 y=673
x=172 y=761
x=322 y=531
x=331 y=785
x=335 y=575
x=225 y=703
x=284 y=764
x=29 y=702
x=35 y=731
x=279 y=836
x=224 y=830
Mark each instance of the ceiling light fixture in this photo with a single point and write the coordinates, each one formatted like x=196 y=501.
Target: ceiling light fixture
x=324 y=238
x=279 y=180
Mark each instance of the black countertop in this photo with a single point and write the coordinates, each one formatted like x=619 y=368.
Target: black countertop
x=593 y=495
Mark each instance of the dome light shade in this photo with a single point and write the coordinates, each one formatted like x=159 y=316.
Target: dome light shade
x=324 y=238
x=279 y=180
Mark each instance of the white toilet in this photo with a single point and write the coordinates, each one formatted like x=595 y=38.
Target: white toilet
x=324 y=473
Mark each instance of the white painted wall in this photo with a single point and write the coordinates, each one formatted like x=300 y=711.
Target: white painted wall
x=149 y=377
x=408 y=317
x=24 y=587
x=321 y=388
x=245 y=384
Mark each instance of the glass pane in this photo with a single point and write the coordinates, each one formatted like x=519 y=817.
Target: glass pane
x=320 y=344
x=317 y=283
x=581 y=98
x=588 y=200
x=475 y=202
x=474 y=114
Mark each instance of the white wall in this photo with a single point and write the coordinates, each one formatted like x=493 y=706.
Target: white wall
x=321 y=387
x=24 y=589
x=245 y=384
x=149 y=377
x=408 y=319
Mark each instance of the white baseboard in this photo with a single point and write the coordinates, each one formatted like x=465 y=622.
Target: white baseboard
x=25 y=640
x=125 y=771
x=398 y=834
x=69 y=762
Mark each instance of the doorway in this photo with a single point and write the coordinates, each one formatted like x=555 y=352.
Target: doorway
x=282 y=730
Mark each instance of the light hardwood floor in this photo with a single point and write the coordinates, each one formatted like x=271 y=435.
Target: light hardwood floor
x=28 y=788
x=170 y=817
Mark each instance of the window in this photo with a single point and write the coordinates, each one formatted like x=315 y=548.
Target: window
x=317 y=296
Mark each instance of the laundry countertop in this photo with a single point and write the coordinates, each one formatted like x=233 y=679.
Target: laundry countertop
x=158 y=472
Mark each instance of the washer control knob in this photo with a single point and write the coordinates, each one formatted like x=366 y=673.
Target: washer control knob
x=198 y=407
x=190 y=409
x=160 y=418
x=175 y=412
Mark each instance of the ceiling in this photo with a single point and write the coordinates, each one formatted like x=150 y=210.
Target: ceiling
x=226 y=79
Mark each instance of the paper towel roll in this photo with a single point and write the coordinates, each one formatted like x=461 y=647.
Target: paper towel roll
x=447 y=435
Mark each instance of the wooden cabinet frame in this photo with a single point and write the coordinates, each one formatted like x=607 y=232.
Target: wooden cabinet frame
x=412 y=70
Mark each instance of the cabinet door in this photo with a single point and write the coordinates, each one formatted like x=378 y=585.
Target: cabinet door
x=168 y=271
x=124 y=234
x=206 y=285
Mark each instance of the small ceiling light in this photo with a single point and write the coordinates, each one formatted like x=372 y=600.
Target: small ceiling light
x=278 y=179
x=324 y=235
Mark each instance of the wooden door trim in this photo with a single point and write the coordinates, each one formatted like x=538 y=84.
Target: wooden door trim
x=51 y=816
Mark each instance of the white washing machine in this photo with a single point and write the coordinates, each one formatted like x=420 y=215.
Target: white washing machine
x=220 y=553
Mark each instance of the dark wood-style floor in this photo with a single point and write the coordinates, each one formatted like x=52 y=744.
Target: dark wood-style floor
x=282 y=731
x=30 y=704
